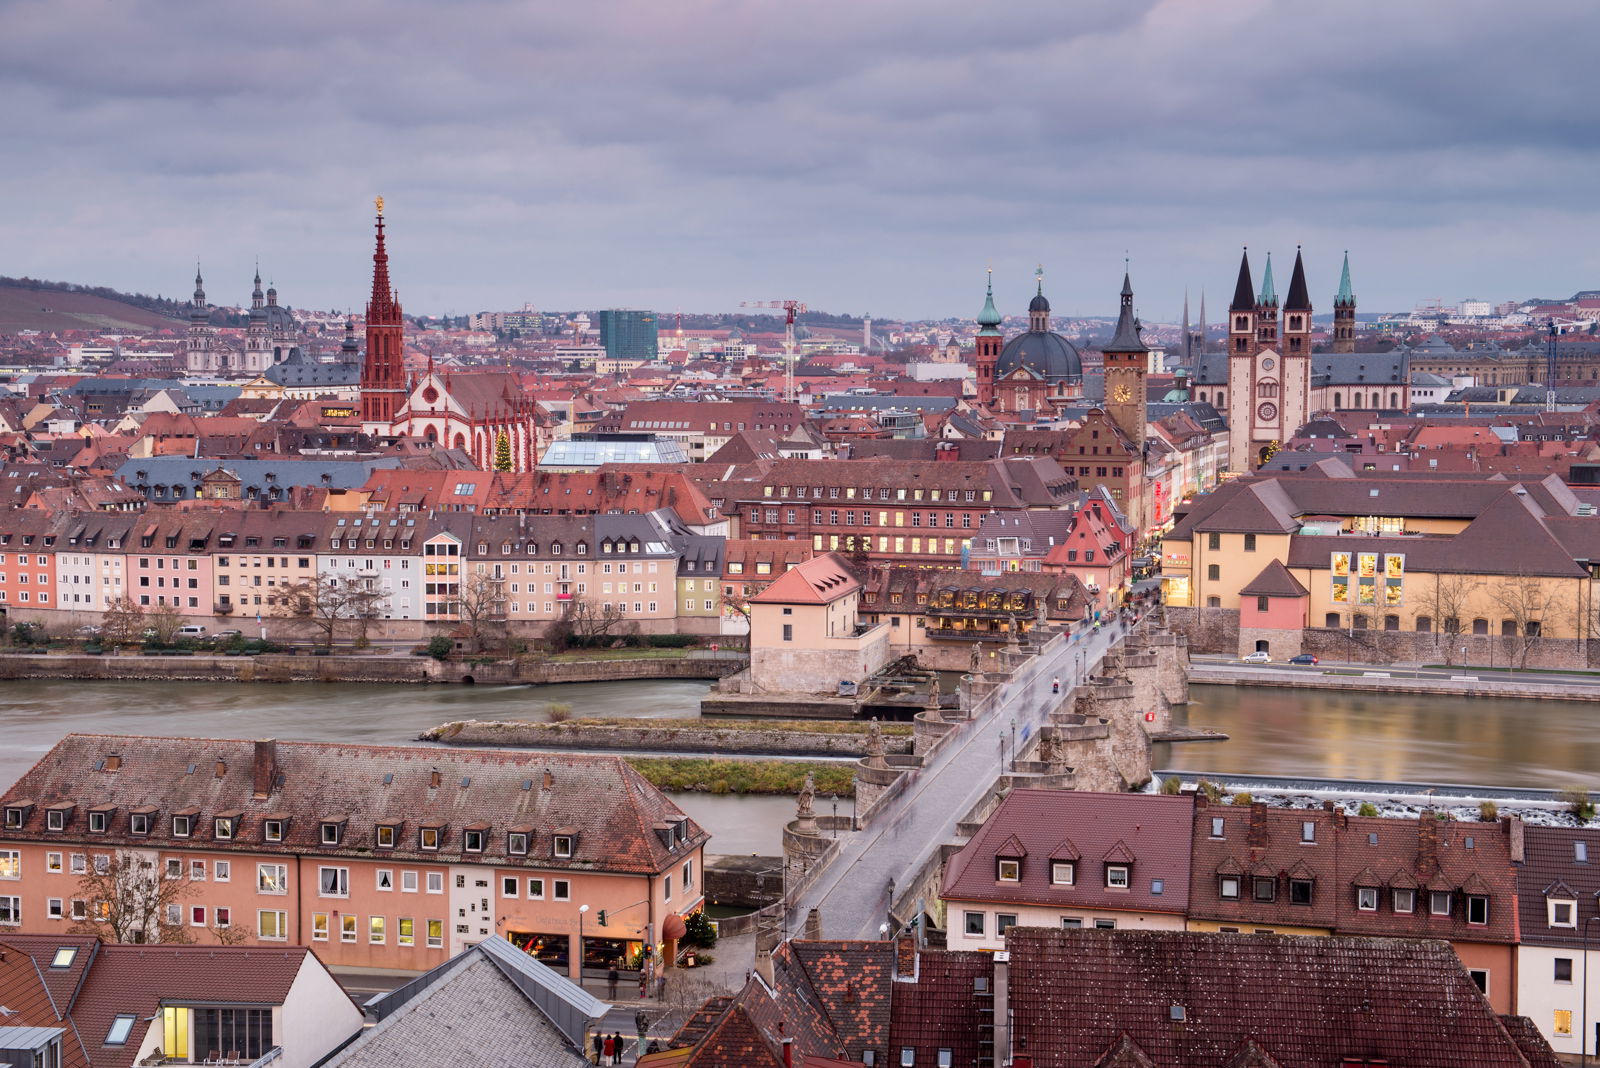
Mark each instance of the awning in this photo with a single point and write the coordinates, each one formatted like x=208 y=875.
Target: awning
x=674 y=927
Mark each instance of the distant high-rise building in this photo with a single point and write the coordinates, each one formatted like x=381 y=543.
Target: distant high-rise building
x=628 y=335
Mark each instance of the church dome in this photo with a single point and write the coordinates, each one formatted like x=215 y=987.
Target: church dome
x=1050 y=356
x=1039 y=304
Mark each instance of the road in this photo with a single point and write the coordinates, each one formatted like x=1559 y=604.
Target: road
x=1476 y=673
x=852 y=893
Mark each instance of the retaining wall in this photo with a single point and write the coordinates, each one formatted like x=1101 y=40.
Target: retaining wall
x=1392 y=681
x=645 y=738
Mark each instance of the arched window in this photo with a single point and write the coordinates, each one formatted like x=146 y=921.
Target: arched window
x=1331 y=621
x=1424 y=624
x=461 y=441
x=1338 y=400
x=1391 y=622
x=1394 y=400
x=1268 y=388
x=1508 y=628
x=1480 y=626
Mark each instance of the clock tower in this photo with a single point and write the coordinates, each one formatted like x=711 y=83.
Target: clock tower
x=1127 y=360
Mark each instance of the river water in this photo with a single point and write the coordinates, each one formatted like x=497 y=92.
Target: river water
x=1394 y=737
x=1323 y=734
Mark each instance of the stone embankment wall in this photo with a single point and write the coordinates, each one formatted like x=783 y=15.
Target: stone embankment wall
x=645 y=738
x=371 y=667
x=1395 y=681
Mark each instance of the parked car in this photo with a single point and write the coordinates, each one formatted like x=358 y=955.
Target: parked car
x=1304 y=658
x=193 y=630
x=89 y=632
x=224 y=635
x=1258 y=658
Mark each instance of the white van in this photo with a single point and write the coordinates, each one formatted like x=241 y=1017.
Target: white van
x=193 y=630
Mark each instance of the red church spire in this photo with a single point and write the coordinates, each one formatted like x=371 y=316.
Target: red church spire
x=383 y=383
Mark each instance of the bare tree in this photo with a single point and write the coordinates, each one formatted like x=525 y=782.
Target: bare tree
x=1446 y=601
x=1523 y=604
x=329 y=605
x=130 y=900
x=164 y=620
x=592 y=620
x=483 y=608
x=233 y=934
x=122 y=622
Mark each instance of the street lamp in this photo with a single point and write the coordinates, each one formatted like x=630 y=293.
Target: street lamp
x=835 y=800
x=581 y=910
x=1013 y=741
x=1583 y=1035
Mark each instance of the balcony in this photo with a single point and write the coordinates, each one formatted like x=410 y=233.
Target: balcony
x=222 y=608
x=971 y=634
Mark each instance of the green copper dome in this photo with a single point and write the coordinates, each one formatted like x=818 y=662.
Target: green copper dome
x=989 y=318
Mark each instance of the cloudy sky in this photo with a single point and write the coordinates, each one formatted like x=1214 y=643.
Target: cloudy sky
x=860 y=155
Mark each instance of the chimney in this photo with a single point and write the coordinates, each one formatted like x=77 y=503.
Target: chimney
x=434 y=779
x=222 y=769
x=1427 y=844
x=1257 y=837
x=813 y=925
x=265 y=771
x=1514 y=838
x=1002 y=1008
x=549 y=779
x=905 y=957
x=788 y=1053
x=113 y=762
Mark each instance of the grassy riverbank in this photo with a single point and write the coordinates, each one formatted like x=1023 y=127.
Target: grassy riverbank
x=445 y=731
x=712 y=776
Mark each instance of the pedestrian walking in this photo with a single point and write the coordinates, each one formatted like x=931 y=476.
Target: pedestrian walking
x=610 y=1050
x=611 y=982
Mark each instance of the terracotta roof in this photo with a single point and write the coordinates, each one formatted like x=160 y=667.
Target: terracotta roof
x=1274 y=581
x=943 y=1009
x=1076 y=996
x=612 y=807
x=1150 y=832
x=820 y=580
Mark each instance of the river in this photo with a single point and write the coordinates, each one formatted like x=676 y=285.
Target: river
x=1395 y=737
x=1325 y=734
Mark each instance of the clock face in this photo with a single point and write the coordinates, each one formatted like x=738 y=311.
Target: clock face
x=1267 y=412
x=1123 y=394
x=1266 y=364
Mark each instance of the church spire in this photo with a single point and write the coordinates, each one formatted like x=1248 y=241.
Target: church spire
x=1269 y=295
x=1188 y=338
x=382 y=292
x=256 y=296
x=200 y=287
x=1345 y=296
x=1299 y=297
x=1127 y=338
x=989 y=317
x=1244 y=294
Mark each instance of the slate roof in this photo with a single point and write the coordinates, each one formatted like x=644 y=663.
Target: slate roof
x=471 y=1015
x=610 y=808
x=1077 y=995
x=943 y=1010
x=1101 y=828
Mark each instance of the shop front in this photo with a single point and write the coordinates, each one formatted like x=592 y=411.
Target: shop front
x=553 y=950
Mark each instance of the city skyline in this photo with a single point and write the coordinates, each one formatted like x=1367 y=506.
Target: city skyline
x=860 y=160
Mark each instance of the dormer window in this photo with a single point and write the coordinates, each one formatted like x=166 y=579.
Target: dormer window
x=1478 y=910
x=386 y=835
x=517 y=843
x=272 y=830
x=1116 y=876
x=16 y=816
x=55 y=819
x=99 y=821
x=1300 y=891
x=429 y=837
x=1264 y=888
x=1405 y=900
x=182 y=826
x=1367 y=898
x=140 y=822
x=332 y=832
x=1228 y=887
x=1008 y=871
x=1561 y=912
x=1062 y=872
x=563 y=844
x=224 y=826
x=472 y=840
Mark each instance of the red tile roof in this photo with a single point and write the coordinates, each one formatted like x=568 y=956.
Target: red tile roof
x=820 y=580
x=1150 y=832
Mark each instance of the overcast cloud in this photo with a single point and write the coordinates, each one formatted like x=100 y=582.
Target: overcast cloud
x=871 y=155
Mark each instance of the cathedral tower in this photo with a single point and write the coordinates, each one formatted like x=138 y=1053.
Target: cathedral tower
x=256 y=358
x=988 y=345
x=1267 y=311
x=199 y=355
x=383 y=380
x=1344 y=313
x=1242 y=312
x=1297 y=313
x=1126 y=362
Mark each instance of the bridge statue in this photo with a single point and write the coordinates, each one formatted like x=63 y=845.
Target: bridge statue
x=875 y=750
x=805 y=814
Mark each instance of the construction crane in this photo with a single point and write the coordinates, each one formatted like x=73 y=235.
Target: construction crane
x=1551 y=359
x=792 y=308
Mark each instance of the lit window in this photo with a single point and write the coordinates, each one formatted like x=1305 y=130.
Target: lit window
x=1009 y=871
